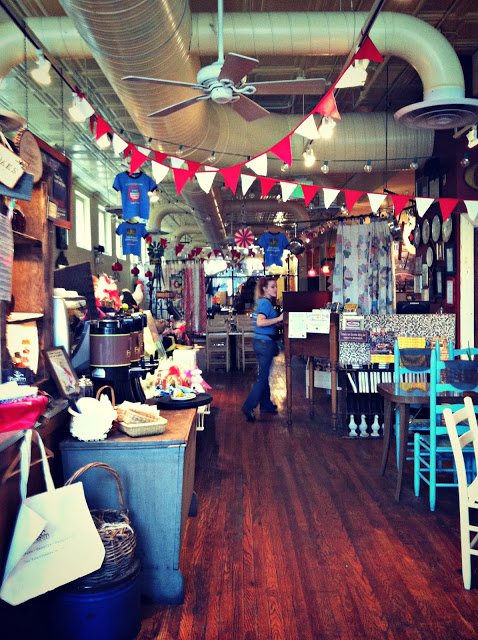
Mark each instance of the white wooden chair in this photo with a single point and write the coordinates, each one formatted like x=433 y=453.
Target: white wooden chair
x=217 y=345
x=468 y=493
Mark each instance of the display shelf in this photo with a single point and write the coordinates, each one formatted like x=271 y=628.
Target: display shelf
x=18 y=318
x=23 y=238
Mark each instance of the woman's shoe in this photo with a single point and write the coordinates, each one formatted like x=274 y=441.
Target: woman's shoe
x=271 y=409
x=250 y=417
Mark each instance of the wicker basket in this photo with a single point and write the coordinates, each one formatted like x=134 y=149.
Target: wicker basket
x=115 y=531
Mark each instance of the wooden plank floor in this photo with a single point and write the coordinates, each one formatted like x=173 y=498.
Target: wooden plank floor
x=298 y=536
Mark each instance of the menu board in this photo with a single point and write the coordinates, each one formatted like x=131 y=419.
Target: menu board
x=57 y=176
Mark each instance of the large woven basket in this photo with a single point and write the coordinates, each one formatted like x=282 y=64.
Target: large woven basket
x=115 y=531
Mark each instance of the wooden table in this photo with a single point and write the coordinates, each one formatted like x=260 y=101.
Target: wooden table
x=401 y=396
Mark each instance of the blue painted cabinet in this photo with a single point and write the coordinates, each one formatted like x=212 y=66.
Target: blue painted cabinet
x=157 y=473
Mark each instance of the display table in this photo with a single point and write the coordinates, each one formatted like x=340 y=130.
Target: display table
x=166 y=402
x=157 y=473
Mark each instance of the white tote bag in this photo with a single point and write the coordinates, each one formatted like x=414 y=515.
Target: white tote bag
x=55 y=539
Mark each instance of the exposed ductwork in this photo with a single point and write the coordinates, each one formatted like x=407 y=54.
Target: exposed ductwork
x=295 y=209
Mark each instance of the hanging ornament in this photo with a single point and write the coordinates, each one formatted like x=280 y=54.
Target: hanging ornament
x=148 y=274
x=244 y=238
x=135 y=271
x=117 y=266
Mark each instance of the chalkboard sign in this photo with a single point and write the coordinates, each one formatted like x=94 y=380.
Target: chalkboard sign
x=57 y=176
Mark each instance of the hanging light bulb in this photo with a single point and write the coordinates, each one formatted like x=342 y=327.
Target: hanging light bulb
x=212 y=158
x=325 y=167
x=312 y=273
x=465 y=161
x=309 y=157
x=343 y=210
x=41 y=74
x=284 y=167
x=327 y=127
x=368 y=167
x=180 y=151
x=414 y=163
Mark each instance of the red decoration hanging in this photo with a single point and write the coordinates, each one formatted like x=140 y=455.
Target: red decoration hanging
x=135 y=271
x=447 y=205
x=283 y=151
x=102 y=127
x=137 y=159
x=148 y=274
x=309 y=191
x=163 y=242
x=231 y=176
x=351 y=198
x=327 y=106
x=179 y=248
x=117 y=266
x=266 y=185
x=399 y=202
x=181 y=176
x=368 y=51
x=244 y=238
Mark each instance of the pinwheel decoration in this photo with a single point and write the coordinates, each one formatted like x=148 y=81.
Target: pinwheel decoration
x=244 y=238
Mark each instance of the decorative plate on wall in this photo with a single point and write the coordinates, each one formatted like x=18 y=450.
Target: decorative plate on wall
x=447 y=229
x=430 y=257
x=425 y=232
x=436 y=228
x=417 y=236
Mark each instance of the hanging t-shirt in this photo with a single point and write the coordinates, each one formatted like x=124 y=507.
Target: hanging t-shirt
x=134 y=193
x=273 y=245
x=131 y=235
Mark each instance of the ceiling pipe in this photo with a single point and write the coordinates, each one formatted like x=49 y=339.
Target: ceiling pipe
x=182 y=232
x=207 y=211
x=295 y=209
x=166 y=209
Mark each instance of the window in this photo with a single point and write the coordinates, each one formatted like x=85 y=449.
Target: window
x=104 y=230
x=82 y=221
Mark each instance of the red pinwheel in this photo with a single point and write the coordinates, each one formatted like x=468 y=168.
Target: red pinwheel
x=244 y=238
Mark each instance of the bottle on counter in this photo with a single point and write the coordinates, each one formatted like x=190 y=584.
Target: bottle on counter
x=85 y=387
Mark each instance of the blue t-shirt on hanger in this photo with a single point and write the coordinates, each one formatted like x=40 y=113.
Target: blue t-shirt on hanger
x=131 y=235
x=134 y=190
x=273 y=245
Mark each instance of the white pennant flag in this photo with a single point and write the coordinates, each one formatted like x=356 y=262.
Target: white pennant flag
x=287 y=188
x=423 y=204
x=159 y=171
x=308 y=128
x=205 y=179
x=472 y=208
x=119 y=145
x=246 y=182
x=145 y=150
x=329 y=196
x=376 y=200
x=176 y=163
x=258 y=165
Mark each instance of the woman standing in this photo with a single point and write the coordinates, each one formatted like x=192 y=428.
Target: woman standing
x=265 y=347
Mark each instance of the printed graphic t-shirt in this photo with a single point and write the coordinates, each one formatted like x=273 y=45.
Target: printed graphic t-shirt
x=273 y=245
x=131 y=235
x=134 y=193
x=264 y=306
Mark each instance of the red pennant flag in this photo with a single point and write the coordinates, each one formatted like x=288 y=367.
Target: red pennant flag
x=399 y=202
x=309 y=191
x=351 y=198
x=202 y=260
x=148 y=239
x=102 y=127
x=266 y=185
x=231 y=176
x=137 y=159
x=251 y=253
x=160 y=157
x=198 y=250
x=283 y=151
x=447 y=205
x=92 y=123
x=209 y=254
x=216 y=252
x=163 y=242
x=327 y=106
x=181 y=176
x=179 y=248
x=191 y=255
x=192 y=168
x=368 y=51
x=128 y=150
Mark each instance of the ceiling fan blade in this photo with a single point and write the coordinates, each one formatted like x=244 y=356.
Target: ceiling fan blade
x=235 y=67
x=178 y=106
x=248 y=109
x=175 y=83
x=306 y=86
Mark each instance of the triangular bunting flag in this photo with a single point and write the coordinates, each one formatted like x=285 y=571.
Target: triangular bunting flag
x=423 y=204
x=368 y=51
x=329 y=196
x=399 y=202
x=283 y=151
x=266 y=185
x=231 y=176
x=447 y=205
x=159 y=171
x=216 y=252
x=287 y=188
x=119 y=145
x=179 y=248
x=181 y=176
x=160 y=157
x=308 y=128
x=146 y=151
x=351 y=198
x=205 y=180
x=128 y=150
x=327 y=106
x=376 y=200
x=102 y=127
x=192 y=167
x=258 y=165
x=198 y=250
x=309 y=191
x=246 y=182
x=163 y=242
x=137 y=159
x=176 y=163
x=472 y=208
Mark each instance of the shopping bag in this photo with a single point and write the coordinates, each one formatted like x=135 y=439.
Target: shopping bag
x=55 y=539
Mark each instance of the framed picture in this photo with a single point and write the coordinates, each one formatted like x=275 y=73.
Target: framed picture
x=418 y=265
x=450 y=260
x=440 y=251
x=62 y=371
x=450 y=291
x=425 y=282
x=439 y=282
x=58 y=178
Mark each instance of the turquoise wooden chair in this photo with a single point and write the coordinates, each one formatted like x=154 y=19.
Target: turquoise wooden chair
x=471 y=352
x=432 y=451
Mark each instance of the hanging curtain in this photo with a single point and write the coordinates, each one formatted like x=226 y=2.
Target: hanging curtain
x=363 y=271
x=194 y=298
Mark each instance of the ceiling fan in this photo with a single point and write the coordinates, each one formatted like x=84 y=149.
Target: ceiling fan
x=224 y=82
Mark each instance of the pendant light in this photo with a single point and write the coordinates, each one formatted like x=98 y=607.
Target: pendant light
x=312 y=273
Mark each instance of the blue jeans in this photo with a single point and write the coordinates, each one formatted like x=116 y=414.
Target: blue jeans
x=261 y=393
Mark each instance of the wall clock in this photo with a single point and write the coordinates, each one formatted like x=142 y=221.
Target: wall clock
x=447 y=229
x=417 y=236
x=430 y=257
x=425 y=232
x=436 y=228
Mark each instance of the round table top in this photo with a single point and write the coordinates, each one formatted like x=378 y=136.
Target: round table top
x=166 y=402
